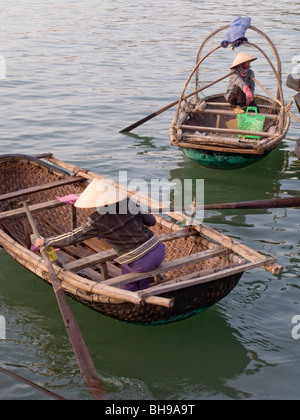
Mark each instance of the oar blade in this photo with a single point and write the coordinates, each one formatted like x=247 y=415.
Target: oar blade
x=81 y=352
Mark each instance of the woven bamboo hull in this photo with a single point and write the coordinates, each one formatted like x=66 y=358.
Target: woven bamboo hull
x=199 y=127
x=190 y=302
x=19 y=173
x=223 y=151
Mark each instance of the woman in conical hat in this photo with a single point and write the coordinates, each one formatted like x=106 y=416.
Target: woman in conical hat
x=123 y=225
x=100 y=194
x=241 y=87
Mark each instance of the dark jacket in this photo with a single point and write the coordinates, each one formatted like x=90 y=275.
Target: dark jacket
x=127 y=233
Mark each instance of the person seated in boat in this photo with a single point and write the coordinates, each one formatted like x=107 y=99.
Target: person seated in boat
x=120 y=222
x=241 y=87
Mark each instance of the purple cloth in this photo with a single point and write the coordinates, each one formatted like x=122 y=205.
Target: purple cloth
x=236 y=32
x=147 y=263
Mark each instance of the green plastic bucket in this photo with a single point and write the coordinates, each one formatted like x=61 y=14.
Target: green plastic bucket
x=251 y=122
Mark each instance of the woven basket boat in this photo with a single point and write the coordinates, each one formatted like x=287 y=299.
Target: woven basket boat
x=202 y=265
x=206 y=129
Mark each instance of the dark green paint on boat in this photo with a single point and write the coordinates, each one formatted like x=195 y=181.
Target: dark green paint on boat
x=177 y=318
x=218 y=160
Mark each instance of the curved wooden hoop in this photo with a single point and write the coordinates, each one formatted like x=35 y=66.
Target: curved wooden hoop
x=277 y=73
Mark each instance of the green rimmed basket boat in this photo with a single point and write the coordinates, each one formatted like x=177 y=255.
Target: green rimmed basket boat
x=202 y=265
x=206 y=129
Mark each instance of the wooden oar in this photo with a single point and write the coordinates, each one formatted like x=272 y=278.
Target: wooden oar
x=83 y=357
x=256 y=204
x=160 y=111
x=275 y=99
x=32 y=384
x=297 y=149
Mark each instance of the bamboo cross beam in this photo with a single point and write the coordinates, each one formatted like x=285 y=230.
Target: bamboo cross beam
x=83 y=357
x=201 y=277
x=43 y=187
x=167 y=266
x=224 y=130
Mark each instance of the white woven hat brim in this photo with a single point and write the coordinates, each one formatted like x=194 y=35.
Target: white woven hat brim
x=99 y=194
x=242 y=58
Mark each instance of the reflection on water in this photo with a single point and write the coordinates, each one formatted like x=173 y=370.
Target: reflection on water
x=141 y=142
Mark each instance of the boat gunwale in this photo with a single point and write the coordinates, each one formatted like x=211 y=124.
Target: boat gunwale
x=176 y=133
x=269 y=143
x=91 y=292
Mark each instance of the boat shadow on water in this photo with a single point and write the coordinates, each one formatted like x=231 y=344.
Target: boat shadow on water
x=208 y=355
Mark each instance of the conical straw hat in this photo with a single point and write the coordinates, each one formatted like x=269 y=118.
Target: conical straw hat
x=242 y=58
x=99 y=194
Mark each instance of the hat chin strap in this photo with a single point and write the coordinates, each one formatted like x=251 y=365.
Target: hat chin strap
x=242 y=70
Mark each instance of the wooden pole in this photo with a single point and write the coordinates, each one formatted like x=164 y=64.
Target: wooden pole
x=81 y=352
x=275 y=99
x=190 y=220
x=155 y=205
x=32 y=384
x=160 y=111
x=258 y=204
x=255 y=204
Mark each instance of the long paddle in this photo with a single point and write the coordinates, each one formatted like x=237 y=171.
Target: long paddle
x=154 y=114
x=83 y=357
x=256 y=204
x=275 y=99
x=32 y=384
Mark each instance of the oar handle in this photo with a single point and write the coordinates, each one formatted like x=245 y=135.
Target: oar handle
x=154 y=114
x=31 y=219
x=83 y=357
x=275 y=99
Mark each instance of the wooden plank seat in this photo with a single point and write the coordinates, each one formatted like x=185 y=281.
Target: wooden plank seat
x=110 y=254
x=202 y=277
x=228 y=105
x=97 y=277
x=97 y=272
x=12 y=214
x=225 y=131
x=43 y=187
x=96 y=245
x=80 y=252
x=91 y=260
x=167 y=266
x=97 y=258
x=65 y=257
x=231 y=113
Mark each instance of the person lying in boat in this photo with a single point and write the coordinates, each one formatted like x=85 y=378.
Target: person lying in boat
x=121 y=223
x=241 y=87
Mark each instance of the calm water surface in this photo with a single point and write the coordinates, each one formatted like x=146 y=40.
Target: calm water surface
x=76 y=74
